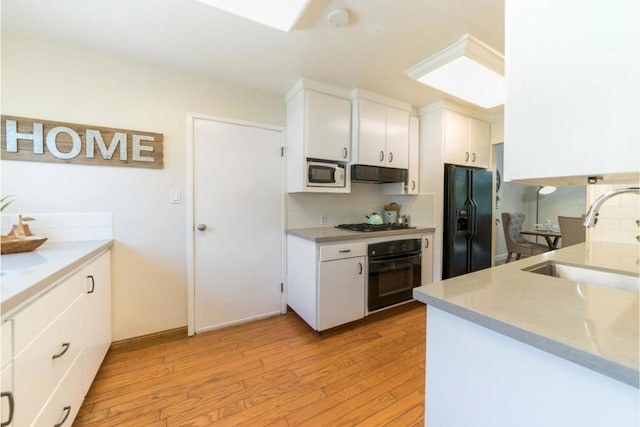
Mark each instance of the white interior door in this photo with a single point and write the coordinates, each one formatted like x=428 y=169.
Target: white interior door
x=238 y=217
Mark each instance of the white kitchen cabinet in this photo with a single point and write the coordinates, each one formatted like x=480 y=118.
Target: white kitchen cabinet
x=380 y=134
x=326 y=282
x=427 y=259
x=572 y=102
x=412 y=186
x=341 y=285
x=6 y=375
x=97 y=281
x=319 y=128
x=59 y=340
x=466 y=140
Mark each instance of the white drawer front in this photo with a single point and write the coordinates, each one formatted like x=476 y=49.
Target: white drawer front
x=37 y=372
x=31 y=321
x=6 y=352
x=65 y=402
x=340 y=251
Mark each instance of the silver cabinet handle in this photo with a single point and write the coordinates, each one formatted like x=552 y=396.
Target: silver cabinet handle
x=202 y=227
x=360 y=268
x=65 y=347
x=426 y=243
x=93 y=284
x=66 y=410
x=344 y=153
x=466 y=156
x=473 y=157
x=9 y=396
x=344 y=251
x=390 y=157
x=413 y=185
x=381 y=155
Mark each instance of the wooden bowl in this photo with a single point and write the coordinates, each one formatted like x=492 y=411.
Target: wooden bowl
x=13 y=245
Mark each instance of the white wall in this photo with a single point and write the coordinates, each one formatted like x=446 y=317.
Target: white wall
x=65 y=83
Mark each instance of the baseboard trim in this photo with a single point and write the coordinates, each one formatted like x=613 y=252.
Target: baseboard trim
x=148 y=340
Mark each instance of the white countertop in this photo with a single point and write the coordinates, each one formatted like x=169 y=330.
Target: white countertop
x=593 y=326
x=332 y=234
x=27 y=275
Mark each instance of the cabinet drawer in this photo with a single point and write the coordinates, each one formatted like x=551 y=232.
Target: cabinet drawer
x=65 y=401
x=340 y=251
x=34 y=318
x=6 y=352
x=42 y=364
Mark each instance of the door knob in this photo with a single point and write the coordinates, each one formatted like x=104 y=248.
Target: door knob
x=202 y=227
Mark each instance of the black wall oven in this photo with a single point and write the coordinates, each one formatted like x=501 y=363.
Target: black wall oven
x=395 y=268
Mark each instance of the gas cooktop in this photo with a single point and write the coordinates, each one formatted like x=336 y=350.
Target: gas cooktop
x=364 y=227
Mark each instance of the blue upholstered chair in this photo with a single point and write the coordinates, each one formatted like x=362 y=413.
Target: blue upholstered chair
x=516 y=243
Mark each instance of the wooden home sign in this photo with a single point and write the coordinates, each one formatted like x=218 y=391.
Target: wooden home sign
x=46 y=141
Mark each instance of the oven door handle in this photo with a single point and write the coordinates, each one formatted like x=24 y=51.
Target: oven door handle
x=393 y=258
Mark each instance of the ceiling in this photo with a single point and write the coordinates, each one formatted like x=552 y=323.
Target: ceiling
x=382 y=40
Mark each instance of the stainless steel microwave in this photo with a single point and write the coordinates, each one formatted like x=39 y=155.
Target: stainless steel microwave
x=325 y=174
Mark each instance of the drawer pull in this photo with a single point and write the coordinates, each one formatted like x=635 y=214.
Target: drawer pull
x=65 y=347
x=93 y=284
x=66 y=410
x=344 y=251
x=9 y=396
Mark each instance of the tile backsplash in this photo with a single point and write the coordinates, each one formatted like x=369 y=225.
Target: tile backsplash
x=65 y=227
x=308 y=209
x=617 y=216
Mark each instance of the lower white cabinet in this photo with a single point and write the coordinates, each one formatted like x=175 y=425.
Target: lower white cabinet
x=341 y=287
x=59 y=342
x=427 y=259
x=326 y=282
x=6 y=375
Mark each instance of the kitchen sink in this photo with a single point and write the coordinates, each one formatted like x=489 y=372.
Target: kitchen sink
x=587 y=275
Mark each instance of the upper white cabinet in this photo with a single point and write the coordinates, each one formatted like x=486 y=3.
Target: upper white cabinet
x=412 y=186
x=318 y=127
x=380 y=131
x=466 y=140
x=572 y=102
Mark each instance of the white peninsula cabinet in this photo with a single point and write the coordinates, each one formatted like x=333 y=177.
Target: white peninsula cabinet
x=59 y=341
x=380 y=131
x=318 y=128
x=326 y=282
x=572 y=103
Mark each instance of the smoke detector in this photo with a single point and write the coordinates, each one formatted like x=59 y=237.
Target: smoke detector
x=338 y=18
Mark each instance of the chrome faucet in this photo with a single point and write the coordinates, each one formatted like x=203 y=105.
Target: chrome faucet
x=592 y=216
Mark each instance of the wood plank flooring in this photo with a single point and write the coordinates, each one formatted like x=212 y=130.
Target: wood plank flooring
x=272 y=372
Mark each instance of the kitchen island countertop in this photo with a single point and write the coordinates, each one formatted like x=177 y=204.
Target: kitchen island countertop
x=331 y=234
x=594 y=326
x=27 y=275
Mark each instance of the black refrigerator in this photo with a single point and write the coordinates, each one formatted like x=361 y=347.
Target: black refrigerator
x=467 y=224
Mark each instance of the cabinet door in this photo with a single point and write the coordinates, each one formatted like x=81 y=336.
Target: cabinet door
x=97 y=280
x=328 y=127
x=456 y=138
x=414 y=156
x=397 y=142
x=341 y=290
x=427 y=259
x=479 y=142
x=8 y=404
x=371 y=135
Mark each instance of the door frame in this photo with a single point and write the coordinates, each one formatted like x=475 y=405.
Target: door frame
x=189 y=204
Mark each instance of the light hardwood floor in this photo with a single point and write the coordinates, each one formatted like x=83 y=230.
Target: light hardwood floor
x=274 y=372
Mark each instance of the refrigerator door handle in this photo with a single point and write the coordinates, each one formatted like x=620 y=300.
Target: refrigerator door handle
x=473 y=229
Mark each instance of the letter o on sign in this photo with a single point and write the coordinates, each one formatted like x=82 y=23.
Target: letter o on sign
x=75 y=141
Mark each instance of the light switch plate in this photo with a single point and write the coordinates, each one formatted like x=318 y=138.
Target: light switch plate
x=175 y=197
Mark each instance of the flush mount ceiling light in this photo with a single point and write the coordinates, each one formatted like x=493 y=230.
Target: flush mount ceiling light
x=280 y=14
x=467 y=69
